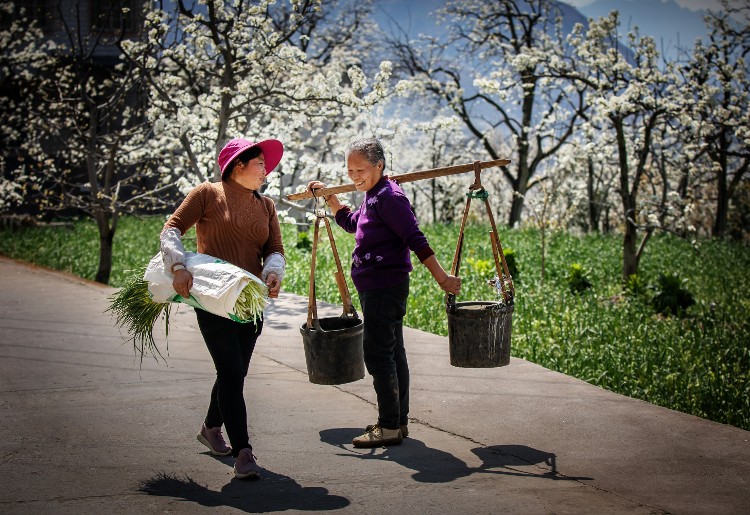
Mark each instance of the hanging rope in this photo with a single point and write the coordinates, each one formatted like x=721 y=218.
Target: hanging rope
x=346 y=300
x=476 y=190
x=481 y=194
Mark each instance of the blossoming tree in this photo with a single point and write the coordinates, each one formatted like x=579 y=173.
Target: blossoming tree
x=218 y=70
x=85 y=146
x=716 y=110
x=632 y=98
x=510 y=94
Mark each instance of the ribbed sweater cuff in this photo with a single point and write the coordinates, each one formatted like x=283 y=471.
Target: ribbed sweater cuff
x=424 y=253
x=341 y=213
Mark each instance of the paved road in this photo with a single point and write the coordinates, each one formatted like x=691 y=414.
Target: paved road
x=86 y=429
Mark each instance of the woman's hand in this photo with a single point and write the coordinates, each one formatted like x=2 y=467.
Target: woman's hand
x=274 y=285
x=451 y=284
x=331 y=200
x=315 y=185
x=447 y=282
x=182 y=282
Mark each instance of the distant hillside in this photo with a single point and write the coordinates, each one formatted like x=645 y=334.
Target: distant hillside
x=669 y=24
x=417 y=17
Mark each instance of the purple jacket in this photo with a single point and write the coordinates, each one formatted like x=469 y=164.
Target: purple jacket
x=385 y=229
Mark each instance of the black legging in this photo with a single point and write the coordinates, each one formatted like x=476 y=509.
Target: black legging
x=231 y=346
x=383 y=312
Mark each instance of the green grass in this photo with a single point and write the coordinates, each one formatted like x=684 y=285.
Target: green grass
x=698 y=364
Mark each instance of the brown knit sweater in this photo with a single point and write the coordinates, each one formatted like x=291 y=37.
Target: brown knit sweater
x=232 y=223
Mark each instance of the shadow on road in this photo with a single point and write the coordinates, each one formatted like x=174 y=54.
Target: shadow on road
x=273 y=492
x=436 y=466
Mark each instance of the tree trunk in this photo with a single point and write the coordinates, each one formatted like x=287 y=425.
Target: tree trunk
x=516 y=207
x=606 y=225
x=629 y=254
x=525 y=172
x=107 y=225
x=544 y=251
x=433 y=200
x=520 y=185
x=629 y=212
x=594 y=210
x=721 y=157
x=105 y=256
x=722 y=189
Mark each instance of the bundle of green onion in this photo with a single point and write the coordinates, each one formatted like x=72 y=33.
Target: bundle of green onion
x=251 y=302
x=137 y=313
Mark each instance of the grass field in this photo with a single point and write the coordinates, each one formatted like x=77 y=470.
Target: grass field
x=698 y=363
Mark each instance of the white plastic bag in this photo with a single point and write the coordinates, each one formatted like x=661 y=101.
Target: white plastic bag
x=216 y=286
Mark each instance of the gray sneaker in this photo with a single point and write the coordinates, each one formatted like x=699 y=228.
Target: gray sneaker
x=214 y=440
x=245 y=466
x=378 y=436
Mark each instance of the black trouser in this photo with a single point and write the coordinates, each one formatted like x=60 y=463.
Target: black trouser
x=383 y=313
x=231 y=346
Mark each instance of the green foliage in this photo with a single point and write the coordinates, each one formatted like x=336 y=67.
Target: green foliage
x=486 y=267
x=577 y=280
x=671 y=297
x=482 y=267
x=697 y=364
x=303 y=241
x=75 y=248
x=510 y=260
x=635 y=286
x=72 y=248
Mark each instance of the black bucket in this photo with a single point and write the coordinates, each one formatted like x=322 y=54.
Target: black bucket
x=333 y=350
x=479 y=333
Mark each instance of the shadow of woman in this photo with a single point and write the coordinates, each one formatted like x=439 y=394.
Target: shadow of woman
x=509 y=460
x=274 y=492
x=436 y=466
x=430 y=465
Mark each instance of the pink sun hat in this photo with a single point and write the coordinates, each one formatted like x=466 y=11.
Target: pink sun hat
x=272 y=150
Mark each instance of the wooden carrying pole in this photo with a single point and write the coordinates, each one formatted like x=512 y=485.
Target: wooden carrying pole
x=405 y=177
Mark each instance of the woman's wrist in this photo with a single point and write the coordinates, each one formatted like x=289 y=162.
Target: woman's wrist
x=333 y=203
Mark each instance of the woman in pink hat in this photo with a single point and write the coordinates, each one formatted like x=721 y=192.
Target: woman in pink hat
x=233 y=222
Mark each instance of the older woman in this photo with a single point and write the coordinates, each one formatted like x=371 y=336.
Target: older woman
x=386 y=230
x=234 y=223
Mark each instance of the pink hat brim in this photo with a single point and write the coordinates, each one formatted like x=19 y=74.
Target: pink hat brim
x=272 y=149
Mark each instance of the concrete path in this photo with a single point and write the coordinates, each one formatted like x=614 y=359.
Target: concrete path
x=86 y=429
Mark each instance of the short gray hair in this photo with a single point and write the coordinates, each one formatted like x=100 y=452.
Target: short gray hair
x=370 y=148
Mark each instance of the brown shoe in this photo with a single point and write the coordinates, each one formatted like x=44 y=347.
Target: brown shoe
x=378 y=436
x=404 y=430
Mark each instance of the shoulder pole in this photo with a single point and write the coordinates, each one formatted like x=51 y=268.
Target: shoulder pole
x=405 y=177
